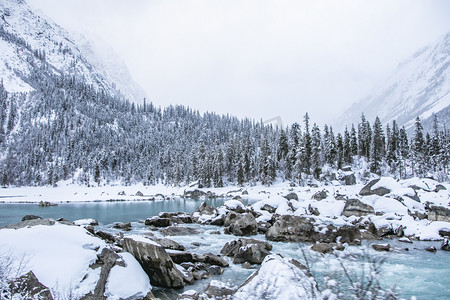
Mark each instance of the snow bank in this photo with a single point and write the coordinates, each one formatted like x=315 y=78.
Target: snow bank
x=59 y=256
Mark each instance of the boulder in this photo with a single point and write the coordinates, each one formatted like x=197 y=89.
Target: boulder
x=269 y=208
x=266 y=283
x=439 y=213
x=155 y=261
x=327 y=247
x=28 y=223
x=213 y=259
x=169 y=244
x=106 y=260
x=139 y=194
x=219 y=290
x=292 y=228
x=350 y=179
x=381 y=247
x=405 y=240
x=195 y=194
x=291 y=196
x=354 y=207
x=240 y=224
x=107 y=237
x=122 y=226
x=179 y=257
x=215 y=270
x=320 y=195
x=440 y=187
x=206 y=209
x=158 y=222
x=252 y=254
x=232 y=248
x=177 y=230
x=30 y=217
x=344 y=234
x=445 y=245
x=28 y=287
x=379 y=190
x=431 y=249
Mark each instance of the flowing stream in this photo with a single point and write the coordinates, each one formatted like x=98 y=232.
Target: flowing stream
x=415 y=272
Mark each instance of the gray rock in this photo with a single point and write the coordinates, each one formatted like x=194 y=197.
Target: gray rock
x=431 y=249
x=206 y=209
x=291 y=228
x=320 y=195
x=381 y=247
x=156 y=263
x=29 y=223
x=231 y=248
x=177 y=230
x=30 y=217
x=194 y=194
x=367 y=190
x=349 y=179
x=219 y=290
x=291 y=196
x=106 y=260
x=241 y=224
x=29 y=287
x=122 y=226
x=354 y=207
x=158 y=222
x=440 y=187
x=169 y=244
x=268 y=208
x=107 y=237
x=327 y=247
x=215 y=270
x=439 y=213
x=445 y=245
x=139 y=194
x=213 y=259
x=252 y=253
x=181 y=257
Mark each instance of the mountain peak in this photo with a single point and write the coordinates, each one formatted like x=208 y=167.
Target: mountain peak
x=419 y=87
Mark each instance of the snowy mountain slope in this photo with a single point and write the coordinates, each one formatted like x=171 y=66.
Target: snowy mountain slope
x=419 y=87
x=39 y=35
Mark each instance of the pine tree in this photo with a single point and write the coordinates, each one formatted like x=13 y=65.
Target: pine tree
x=347 y=147
x=377 y=147
x=316 y=150
x=418 y=149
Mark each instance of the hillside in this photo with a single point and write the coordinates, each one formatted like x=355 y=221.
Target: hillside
x=420 y=86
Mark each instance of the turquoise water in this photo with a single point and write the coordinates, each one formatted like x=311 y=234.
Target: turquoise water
x=103 y=212
x=411 y=273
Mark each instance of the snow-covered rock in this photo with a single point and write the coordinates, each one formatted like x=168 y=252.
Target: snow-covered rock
x=278 y=279
x=63 y=258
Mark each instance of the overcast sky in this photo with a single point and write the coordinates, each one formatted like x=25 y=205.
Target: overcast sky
x=257 y=58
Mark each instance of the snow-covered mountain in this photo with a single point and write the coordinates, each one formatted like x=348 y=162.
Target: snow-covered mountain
x=419 y=87
x=27 y=35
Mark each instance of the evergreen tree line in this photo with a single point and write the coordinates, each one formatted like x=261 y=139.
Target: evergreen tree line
x=65 y=129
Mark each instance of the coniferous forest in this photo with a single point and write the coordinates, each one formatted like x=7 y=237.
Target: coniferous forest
x=67 y=130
